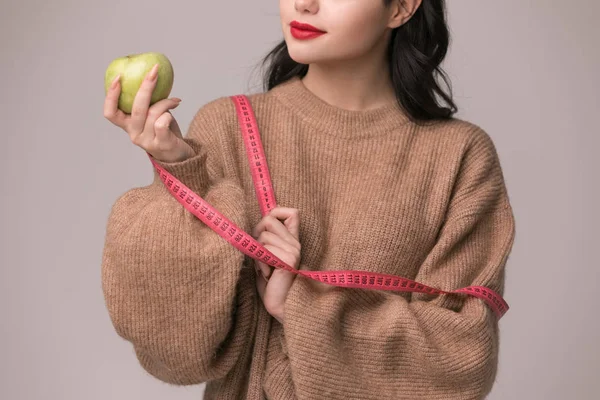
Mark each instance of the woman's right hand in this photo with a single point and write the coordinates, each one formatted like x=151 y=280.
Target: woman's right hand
x=152 y=128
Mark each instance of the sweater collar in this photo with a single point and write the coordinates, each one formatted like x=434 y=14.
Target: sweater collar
x=334 y=120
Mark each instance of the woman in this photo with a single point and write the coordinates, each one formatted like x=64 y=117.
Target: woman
x=370 y=173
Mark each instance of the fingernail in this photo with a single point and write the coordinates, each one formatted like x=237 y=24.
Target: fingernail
x=177 y=99
x=115 y=81
x=153 y=72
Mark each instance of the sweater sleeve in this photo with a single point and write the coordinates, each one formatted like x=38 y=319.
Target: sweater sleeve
x=173 y=287
x=355 y=343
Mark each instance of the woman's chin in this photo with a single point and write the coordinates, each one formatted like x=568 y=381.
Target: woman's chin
x=306 y=56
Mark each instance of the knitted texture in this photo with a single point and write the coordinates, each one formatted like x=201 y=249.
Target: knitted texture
x=375 y=192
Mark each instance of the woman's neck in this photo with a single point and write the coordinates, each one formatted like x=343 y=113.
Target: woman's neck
x=351 y=87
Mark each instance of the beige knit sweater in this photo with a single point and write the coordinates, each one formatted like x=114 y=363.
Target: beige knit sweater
x=376 y=192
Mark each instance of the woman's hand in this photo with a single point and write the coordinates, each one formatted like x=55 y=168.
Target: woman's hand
x=282 y=240
x=151 y=127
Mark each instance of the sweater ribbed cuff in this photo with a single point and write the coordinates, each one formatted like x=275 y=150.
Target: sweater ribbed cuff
x=191 y=172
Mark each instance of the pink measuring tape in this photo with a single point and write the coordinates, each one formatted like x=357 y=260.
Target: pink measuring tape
x=266 y=197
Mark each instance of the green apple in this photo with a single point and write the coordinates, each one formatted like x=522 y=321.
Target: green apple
x=133 y=69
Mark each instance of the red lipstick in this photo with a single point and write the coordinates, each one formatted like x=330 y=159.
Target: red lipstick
x=303 y=31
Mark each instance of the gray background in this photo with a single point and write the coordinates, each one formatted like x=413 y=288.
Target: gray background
x=526 y=71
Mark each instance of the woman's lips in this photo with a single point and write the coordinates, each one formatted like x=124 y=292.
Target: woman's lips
x=304 y=34
x=300 y=30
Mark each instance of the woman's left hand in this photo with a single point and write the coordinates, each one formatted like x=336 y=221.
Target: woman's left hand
x=282 y=240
